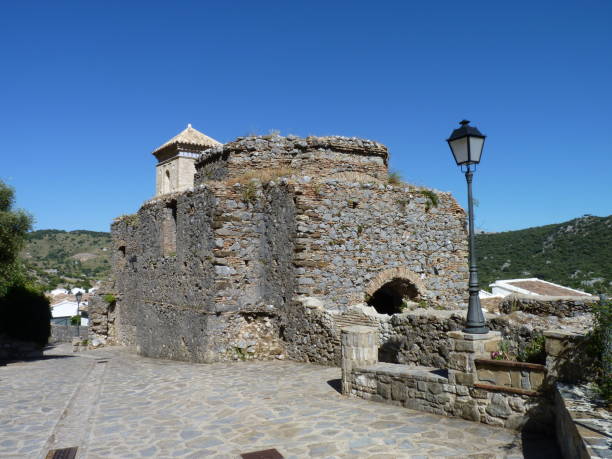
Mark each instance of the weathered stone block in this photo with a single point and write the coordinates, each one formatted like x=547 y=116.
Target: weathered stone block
x=464 y=379
x=517 y=404
x=515 y=378
x=398 y=391
x=384 y=390
x=492 y=345
x=470 y=411
x=459 y=361
x=466 y=346
x=487 y=376
x=498 y=407
x=435 y=388
x=536 y=379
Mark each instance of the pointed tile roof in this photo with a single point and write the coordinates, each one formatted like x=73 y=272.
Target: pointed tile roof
x=189 y=138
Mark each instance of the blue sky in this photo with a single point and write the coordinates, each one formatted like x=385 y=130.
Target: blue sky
x=89 y=89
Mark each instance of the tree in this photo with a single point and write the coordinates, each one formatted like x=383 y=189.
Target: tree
x=14 y=225
x=24 y=309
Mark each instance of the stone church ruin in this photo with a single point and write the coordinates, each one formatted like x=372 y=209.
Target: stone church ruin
x=264 y=247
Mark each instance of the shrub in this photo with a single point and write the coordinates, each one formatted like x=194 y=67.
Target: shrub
x=249 y=193
x=599 y=346
x=394 y=178
x=26 y=315
x=109 y=298
x=75 y=320
x=534 y=351
x=432 y=199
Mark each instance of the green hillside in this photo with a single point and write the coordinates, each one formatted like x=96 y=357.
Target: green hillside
x=67 y=258
x=577 y=253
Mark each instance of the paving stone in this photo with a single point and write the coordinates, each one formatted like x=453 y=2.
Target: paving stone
x=152 y=408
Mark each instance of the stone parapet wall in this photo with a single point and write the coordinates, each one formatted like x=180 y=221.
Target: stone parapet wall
x=547 y=306
x=312 y=156
x=451 y=392
x=420 y=336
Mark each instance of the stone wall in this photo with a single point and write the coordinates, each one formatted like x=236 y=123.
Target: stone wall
x=65 y=333
x=218 y=272
x=583 y=424
x=420 y=336
x=328 y=157
x=455 y=391
x=547 y=306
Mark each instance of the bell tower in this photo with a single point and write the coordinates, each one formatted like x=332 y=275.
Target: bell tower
x=175 y=168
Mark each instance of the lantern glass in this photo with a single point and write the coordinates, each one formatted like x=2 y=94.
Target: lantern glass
x=459 y=147
x=476 y=144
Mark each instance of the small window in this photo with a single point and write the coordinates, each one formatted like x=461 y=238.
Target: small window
x=168 y=184
x=169 y=230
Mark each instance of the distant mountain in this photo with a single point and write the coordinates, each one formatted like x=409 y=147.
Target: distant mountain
x=577 y=253
x=67 y=258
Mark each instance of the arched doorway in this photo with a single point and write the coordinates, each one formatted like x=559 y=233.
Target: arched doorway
x=390 y=297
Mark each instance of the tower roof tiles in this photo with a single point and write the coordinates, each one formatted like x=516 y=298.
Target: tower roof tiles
x=188 y=138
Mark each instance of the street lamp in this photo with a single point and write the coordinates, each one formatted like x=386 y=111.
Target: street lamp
x=466 y=144
x=78 y=296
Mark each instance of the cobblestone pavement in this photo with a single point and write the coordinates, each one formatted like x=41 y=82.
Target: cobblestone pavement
x=113 y=404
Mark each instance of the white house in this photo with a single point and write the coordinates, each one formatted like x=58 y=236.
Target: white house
x=59 y=291
x=532 y=286
x=76 y=290
x=62 y=311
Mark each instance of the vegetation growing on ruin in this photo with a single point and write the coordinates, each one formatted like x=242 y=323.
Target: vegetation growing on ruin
x=534 y=351
x=432 y=199
x=599 y=345
x=248 y=192
x=109 y=298
x=129 y=219
x=394 y=178
x=577 y=254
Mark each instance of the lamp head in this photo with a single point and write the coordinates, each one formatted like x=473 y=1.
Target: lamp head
x=466 y=143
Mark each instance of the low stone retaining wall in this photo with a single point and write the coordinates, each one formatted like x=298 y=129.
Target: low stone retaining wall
x=569 y=306
x=65 y=333
x=453 y=392
x=584 y=427
x=11 y=349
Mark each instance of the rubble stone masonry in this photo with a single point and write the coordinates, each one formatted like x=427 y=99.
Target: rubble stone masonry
x=218 y=272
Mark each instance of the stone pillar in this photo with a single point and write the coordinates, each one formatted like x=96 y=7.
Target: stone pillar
x=466 y=348
x=561 y=362
x=359 y=349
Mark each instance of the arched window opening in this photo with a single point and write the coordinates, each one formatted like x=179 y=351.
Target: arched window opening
x=390 y=298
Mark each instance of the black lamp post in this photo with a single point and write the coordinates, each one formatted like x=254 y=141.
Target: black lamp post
x=466 y=144
x=78 y=296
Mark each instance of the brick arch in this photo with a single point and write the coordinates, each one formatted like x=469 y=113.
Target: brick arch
x=395 y=273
